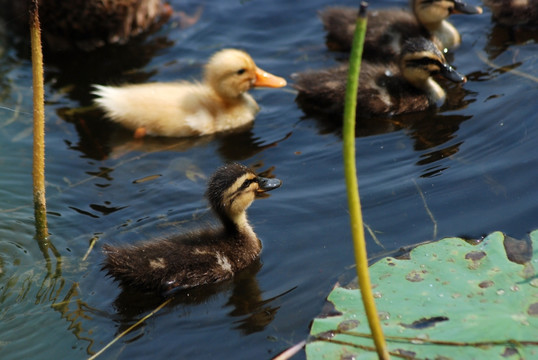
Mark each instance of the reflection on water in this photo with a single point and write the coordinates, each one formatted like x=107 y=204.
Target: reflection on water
x=124 y=64
x=501 y=38
x=428 y=130
x=244 y=298
x=100 y=139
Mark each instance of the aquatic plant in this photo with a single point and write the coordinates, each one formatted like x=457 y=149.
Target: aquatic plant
x=357 y=227
x=38 y=170
x=448 y=299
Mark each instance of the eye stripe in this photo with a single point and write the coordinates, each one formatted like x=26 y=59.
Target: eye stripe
x=232 y=195
x=247 y=183
x=422 y=62
x=236 y=194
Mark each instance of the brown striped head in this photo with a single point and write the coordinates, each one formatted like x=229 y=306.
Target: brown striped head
x=233 y=187
x=435 y=11
x=420 y=59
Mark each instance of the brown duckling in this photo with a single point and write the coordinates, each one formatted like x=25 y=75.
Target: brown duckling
x=182 y=109
x=384 y=89
x=514 y=12
x=388 y=28
x=202 y=257
x=90 y=24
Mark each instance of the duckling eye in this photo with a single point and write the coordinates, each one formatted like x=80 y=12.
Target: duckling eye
x=241 y=71
x=247 y=183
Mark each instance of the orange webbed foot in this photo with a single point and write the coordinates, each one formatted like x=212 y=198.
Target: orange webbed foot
x=140 y=133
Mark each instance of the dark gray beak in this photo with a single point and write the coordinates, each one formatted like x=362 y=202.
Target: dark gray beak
x=448 y=72
x=462 y=8
x=268 y=184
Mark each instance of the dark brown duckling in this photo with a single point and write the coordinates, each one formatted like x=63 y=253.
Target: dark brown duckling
x=202 y=257
x=514 y=12
x=388 y=29
x=384 y=89
x=90 y=24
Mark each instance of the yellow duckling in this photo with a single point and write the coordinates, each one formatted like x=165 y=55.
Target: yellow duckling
x=219 y=103
x=388 y=29
x=383 y=89
x=201 y=257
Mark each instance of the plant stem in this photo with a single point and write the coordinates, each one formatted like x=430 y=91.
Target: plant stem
x=38 y=170
x=357 y=227
x=94 y=356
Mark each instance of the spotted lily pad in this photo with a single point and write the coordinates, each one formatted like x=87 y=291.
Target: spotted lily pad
x=450 y=300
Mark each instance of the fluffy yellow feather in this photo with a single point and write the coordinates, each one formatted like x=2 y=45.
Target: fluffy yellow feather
x=219 y=103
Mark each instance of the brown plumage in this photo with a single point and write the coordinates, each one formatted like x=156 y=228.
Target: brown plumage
x=89 y=24
x=384 y=89
x=388 y=29
x=201 y=257
x=514 y=12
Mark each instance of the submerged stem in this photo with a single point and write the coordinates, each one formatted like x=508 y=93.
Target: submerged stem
x=130 y=328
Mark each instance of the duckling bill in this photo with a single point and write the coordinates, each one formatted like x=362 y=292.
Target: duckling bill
x=201 y=257
x=181 y=109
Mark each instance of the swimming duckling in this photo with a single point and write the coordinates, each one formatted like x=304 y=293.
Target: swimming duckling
x=181 y=109
x=388 y=28
x=90 y=24
x=383 y=89
x=202 y=257
x=514 y=12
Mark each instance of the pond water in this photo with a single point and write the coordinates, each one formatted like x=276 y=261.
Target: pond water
x=467 y=170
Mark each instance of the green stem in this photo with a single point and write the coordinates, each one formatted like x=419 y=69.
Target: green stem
x=355 y=214
x=38 y=170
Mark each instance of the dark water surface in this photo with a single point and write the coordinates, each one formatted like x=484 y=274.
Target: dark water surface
x=469 y=169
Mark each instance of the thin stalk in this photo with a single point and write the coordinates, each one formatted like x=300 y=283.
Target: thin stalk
x=94 y=356
x=355 y=213
x=38 y=170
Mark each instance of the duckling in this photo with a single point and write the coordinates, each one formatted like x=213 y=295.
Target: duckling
x=182 y=109
x=388 y=29
x=514 y=12
x=202 y=257
x=383 y=89
x=90 y=24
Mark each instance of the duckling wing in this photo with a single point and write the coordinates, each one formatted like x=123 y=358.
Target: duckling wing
x=321 y=90
x=396 y=96
x=166 y=109
x=386 y=31
x=159 y=265
x=339 y=22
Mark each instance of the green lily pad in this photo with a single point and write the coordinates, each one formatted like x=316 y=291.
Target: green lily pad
x=450 y=300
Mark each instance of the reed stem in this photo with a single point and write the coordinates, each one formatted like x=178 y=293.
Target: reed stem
x=355 y=213
x=38 y=170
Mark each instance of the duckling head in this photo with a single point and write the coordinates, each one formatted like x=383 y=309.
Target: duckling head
x=420 y=59
x=232 y=72
x=433 y=12
x=231 y=190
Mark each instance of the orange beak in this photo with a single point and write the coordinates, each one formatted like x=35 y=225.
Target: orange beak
x=265 y=79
